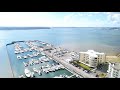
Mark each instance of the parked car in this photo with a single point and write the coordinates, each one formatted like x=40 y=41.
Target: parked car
x=86 y=71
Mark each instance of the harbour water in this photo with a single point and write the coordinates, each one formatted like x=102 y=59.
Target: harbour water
x=78 y=39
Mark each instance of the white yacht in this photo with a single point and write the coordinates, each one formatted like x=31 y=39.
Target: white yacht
x=38 y=53
x=16 y=52
x=62 y=67
x=21 y=76
x=25 y=64
x=25 y=57
x=35 y=70
x=50 y=70
x=50 y=58
x=22 y=51
x=56 y=68
x=43 y=43
x=28 y=73
x=42 y=53
x=46 y=71
x=25 y=50
x=31 y=62
x=46 y=59
x=47 y=66
x=39 y=72
x=58 y=76
x=30 y=50
x=28 y=55
x=36 y=61
x=19 y=57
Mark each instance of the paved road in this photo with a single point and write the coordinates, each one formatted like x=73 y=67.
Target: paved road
x=71 y=67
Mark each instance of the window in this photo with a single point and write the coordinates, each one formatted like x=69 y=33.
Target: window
x=87 y=62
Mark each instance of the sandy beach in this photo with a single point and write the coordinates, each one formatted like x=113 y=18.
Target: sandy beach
x=112 y=59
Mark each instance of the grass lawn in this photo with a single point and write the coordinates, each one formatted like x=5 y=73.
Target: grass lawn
x=102 y=75
x=82 y=65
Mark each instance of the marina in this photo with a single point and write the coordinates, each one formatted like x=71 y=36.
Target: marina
x=30 y=61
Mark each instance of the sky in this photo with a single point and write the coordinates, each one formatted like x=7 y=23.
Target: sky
x=60 y=19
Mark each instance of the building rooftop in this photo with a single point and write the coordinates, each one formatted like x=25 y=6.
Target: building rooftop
x=92 y=53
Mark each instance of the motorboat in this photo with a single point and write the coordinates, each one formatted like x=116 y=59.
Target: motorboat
x=46 y=71
x=58 y=76
x=22 y=51
x=16 y=52
x=39 y=73
x=43 y=43
x=30 y=50
x=62 y=67
x=53 y=64
x=28 y=73
x=35 y=70
x=25 y=57
x=19 y=57
x=50 y=70
x=47 y=66
x=25 y=64
x=46 y=59
x=50 y=58
x=41 y=61
x=31 y=62
x=42 y=53
x=56 y=68
x=25 y=50
x=38 y=53
x=43 y=57
x=36 y=61
x=28 y=55
x=21 y=76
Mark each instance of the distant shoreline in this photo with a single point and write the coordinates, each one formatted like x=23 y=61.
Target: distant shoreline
x=31 y=28
x=23 y=28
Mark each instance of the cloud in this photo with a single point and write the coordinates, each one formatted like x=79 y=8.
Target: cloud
x=113 y=17
x=68 y=17
x=83 y=19
x=94 y=12
x=80 y=14
x=90 y=14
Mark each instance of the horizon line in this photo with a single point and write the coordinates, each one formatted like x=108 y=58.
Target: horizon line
x=40 y=26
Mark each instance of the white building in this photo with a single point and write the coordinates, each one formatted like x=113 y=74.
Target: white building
x=92 y=58
x=114 y=70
